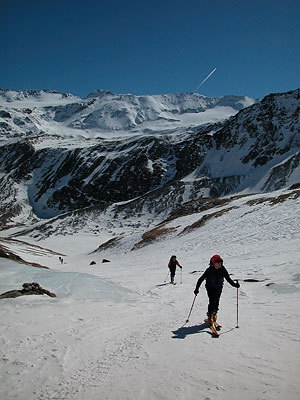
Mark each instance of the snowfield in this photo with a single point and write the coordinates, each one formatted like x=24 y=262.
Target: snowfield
x=118 y=331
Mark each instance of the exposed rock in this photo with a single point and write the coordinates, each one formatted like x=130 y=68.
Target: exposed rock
x=6 y=253
x=28 y=288
x=256 y=148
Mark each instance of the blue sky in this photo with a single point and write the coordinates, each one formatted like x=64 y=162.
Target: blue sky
x=151 y=47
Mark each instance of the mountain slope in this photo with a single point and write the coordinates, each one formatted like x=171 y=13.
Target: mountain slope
x=117 y=330
x=46 y=175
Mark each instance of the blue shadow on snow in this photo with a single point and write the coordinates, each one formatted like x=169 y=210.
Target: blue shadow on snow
x=184 y=331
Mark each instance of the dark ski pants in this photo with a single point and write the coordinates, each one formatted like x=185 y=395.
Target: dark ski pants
x=214 y=295
x=172 y=273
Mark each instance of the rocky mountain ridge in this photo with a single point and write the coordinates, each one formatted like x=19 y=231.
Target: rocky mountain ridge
x=152 y=169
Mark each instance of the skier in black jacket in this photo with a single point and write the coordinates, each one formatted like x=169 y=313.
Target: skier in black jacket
x=172 y=267
x=214 y=276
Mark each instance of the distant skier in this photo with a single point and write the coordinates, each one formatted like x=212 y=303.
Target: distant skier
x=172 y=267
x=214 y=276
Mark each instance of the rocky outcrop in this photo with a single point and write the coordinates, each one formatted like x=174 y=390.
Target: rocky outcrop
x=28 y=289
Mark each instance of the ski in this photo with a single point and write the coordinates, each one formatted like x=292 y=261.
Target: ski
x=217 y=326
x=212 y=328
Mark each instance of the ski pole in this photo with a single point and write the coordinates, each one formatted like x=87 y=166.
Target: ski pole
x=181 y=276
x=166 y=276
x=191 y=309
x=237 y=306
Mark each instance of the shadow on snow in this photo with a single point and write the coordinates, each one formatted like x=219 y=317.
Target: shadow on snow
x=184 y=331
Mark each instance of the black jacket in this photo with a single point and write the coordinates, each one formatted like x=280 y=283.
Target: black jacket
x=215 y=278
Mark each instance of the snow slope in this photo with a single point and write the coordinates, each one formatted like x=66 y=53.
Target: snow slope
x=117 y=331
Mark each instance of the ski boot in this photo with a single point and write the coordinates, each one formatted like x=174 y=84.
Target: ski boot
x=210 y=322
x=216 y=324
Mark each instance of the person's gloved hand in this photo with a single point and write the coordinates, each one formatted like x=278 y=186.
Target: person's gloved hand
x=237 y=285
x=196 y=291
x=180 y=266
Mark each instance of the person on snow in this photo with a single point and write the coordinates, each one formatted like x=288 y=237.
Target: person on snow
x=172 y=267
x=214 y=276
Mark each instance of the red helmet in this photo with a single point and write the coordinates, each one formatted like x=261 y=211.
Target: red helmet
x=215 y=258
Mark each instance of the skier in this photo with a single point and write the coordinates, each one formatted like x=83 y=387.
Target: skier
x=214 y=276
x=172 y=267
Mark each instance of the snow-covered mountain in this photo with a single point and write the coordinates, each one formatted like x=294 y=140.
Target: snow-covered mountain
x=102 y=113
x=61 y=153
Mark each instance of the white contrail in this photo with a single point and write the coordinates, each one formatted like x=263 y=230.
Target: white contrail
x=204 y=80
